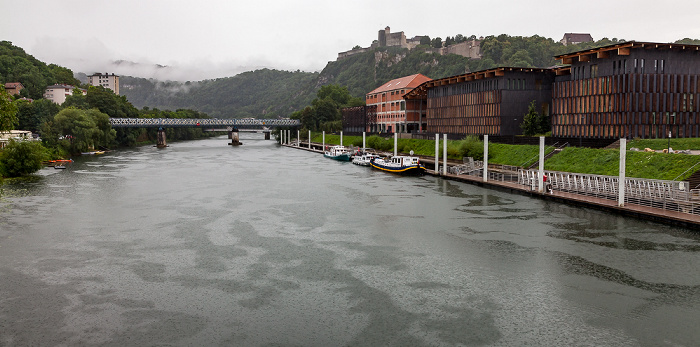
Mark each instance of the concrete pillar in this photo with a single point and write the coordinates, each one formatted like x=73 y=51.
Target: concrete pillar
x=267 y=135
x=160 y=141
x=233 y=135
x=396 y=144
x=364 y=143
x=540 y=184
x=298 y=138
x=437 y=153
x=323 y=145
x=486 y=158
x=622 y=177
x=309 y=139
x=341 y=138
x=444 y=154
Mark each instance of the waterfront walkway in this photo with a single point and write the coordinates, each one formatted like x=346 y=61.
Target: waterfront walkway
x=637 y=211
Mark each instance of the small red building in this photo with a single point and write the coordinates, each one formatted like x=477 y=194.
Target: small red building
x=13 y=88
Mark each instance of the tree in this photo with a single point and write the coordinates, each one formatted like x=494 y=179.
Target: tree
x=436 y=42
x=425 y=40
x=21 y=158
x=80 y=130
x=8 y=111
x=534 y=123
x=32 y=115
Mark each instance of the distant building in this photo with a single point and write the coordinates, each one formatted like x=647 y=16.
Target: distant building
x=631 y=89
x=108 y=81
x=385 y=38
x=18 y=135
x=393 y=113
x=13 y=88
x=572 y=39
x=58 y=92
x=492 y=102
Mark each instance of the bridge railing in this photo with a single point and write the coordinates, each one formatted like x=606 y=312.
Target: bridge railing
x=205 y=122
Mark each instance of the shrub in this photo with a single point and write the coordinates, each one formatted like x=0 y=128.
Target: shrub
x=21 y=158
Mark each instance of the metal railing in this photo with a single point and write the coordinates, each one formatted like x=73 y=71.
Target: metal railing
x=206 y=122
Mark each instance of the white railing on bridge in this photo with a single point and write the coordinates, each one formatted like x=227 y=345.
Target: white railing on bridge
x=187 y=122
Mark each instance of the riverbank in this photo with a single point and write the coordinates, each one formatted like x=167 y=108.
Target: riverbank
x=685 y=220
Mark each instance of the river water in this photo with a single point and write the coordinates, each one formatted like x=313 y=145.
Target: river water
x=202 y=244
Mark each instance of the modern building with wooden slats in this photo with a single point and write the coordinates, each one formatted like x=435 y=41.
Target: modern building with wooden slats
x=491 y=102
x=631 y=89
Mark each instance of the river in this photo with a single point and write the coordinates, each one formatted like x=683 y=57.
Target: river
x=202 y=244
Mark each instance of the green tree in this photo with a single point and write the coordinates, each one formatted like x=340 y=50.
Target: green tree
x=534 y=123
x=8 y=111
x=32 y=115
x=80 y=130
x=20 y=158
x=436 y=42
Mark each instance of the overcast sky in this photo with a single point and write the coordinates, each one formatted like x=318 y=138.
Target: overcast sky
x=219 y=38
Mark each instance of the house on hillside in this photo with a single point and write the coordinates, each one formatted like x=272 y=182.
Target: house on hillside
x=13 y=88
x=394 y=114
x=58 y=92
x=108 y=81
x=572 y=38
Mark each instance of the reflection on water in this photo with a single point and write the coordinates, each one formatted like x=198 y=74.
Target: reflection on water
x=204 y=244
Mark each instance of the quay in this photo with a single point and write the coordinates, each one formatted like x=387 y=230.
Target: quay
x=659 y=215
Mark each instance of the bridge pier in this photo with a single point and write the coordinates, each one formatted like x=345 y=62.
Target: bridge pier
x=160 y=142
x=233 y=135
x=267 y=135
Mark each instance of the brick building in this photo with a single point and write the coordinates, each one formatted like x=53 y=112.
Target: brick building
x=394 y=114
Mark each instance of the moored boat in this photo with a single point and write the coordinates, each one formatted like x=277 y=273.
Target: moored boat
x=364 y=159
x=339 y=153
x=402 y=164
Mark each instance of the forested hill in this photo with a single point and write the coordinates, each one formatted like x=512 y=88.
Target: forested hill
x=261 y=94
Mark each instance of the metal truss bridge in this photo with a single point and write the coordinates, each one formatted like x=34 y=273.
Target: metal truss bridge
x=249 y=123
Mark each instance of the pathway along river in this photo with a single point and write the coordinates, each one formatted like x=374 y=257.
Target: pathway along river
x=201 y=244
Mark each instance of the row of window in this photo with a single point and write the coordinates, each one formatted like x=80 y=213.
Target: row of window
x=460 y=129
x=628 y=83
x=627 y=118
x=619 y=67
x=656 y=102
x=644 y=131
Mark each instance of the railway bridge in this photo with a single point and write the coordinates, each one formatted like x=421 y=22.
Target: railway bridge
x=232 y=126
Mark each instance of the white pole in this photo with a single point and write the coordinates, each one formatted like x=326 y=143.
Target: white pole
x=540 y=185
x=486 y=158
x=364 y=144
x=309 y=139
x=323 y=145
x=289 y=136
x=444 y=154
x=281 y=137
x=396 y=142
x=437 y=153
x=622 y=178
x=341 y=138
x=298 y=138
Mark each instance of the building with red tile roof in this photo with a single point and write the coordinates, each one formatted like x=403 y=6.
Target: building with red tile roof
x=13 y=88
x=394 y=114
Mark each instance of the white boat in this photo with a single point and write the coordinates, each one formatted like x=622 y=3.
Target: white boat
x=364 y=159
x=402 y=164
x=340 y=153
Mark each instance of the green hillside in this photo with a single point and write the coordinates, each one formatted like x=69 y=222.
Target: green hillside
x=18 y=66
